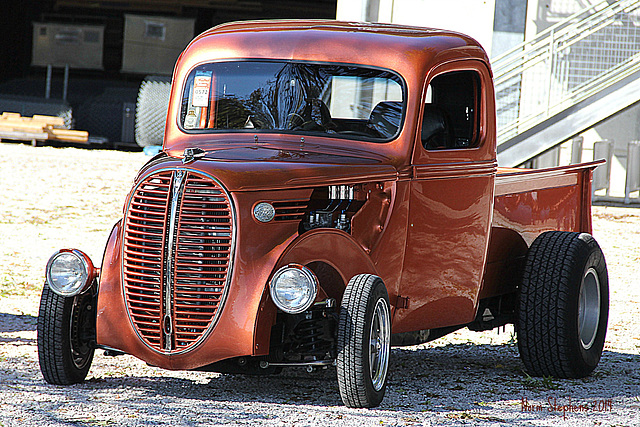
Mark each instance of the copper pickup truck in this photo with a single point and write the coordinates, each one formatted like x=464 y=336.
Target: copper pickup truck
x=326 y=191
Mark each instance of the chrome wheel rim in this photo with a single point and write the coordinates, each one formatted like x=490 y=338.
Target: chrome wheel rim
x=379 y=344
x=589 y=308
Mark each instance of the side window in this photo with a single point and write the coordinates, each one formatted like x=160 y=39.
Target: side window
x=451 y=114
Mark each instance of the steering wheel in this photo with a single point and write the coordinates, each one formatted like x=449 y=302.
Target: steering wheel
x=294 y=121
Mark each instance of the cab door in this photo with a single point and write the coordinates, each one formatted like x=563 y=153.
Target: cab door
x=451 y=200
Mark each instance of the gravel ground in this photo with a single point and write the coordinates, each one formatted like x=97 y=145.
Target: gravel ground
x=69 y=197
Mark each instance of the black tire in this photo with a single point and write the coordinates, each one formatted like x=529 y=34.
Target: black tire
x=364 y=315
x=563 y=306
x=66 y=336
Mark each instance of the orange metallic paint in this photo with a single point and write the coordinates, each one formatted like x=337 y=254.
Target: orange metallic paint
x=304 y=169
x=447 y=240
x=528 y=203
x=243 y=328
x=388 y=254
x=449 y=219
x=369 y=222
x=531 y=202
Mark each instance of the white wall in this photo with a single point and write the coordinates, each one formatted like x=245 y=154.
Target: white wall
x=471 y=17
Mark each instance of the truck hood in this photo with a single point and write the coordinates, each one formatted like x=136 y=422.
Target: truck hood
x=260 y=168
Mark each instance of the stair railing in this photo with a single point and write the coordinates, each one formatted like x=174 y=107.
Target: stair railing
x=565 y=64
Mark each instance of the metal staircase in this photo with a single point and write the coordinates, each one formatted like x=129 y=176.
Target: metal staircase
x=567 y=79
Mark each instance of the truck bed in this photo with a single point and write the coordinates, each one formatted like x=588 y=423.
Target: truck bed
x=529 y=202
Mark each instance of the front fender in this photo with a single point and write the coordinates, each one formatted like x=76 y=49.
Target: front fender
x=330 y=246
x=333 y=255
x=112 y=325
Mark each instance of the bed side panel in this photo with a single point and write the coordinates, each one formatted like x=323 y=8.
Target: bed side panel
x=528 y=203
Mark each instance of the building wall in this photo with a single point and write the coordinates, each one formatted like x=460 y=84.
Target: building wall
x=471 y=17
x=508 y=25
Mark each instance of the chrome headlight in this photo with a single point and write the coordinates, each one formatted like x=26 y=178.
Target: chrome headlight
x=293 y=288
x=70 y=272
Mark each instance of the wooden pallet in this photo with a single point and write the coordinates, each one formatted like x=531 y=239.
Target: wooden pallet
x=38 y=128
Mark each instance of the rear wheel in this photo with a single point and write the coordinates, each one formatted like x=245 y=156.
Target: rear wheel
x=563 y=305
x=66 y=335
x=364 y=342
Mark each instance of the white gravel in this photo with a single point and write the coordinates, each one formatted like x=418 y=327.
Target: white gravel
x=54 y=198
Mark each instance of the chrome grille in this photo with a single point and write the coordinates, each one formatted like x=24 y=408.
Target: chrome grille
x=174 y=285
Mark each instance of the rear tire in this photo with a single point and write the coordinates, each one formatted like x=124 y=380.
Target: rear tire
x=364 y=342
x=66 y=335
x=563 y=306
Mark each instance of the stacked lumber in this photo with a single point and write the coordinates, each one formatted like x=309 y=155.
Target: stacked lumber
x=38 y=128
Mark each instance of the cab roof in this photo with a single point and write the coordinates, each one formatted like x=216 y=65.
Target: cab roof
x=397 y=47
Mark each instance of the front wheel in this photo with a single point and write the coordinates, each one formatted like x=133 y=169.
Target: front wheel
x=66 y=335
x=563 y=306
x=364 y=342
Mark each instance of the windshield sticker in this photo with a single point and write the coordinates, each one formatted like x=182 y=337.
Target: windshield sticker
x=202 y=83
x=191 y=120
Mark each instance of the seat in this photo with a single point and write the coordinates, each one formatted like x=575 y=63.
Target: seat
x=385 y=118
x=436 y=129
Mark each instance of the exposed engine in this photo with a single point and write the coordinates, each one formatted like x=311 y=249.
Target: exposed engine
x=336 y=212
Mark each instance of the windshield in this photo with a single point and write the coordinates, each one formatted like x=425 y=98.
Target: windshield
x=296 y=97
